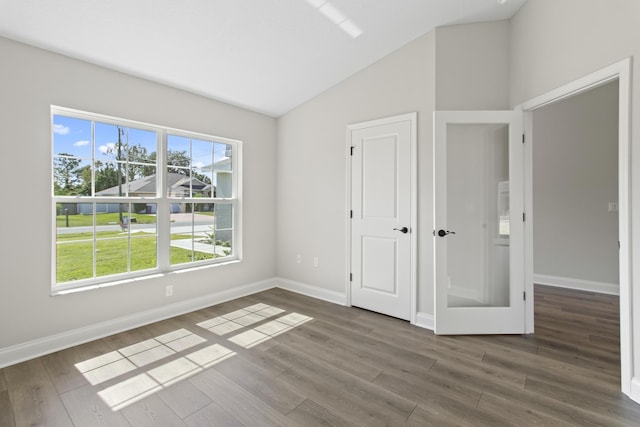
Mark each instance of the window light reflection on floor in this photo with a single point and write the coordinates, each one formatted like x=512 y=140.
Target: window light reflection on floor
x=123 y=361
x=113 y=364
x=268 y=330
x=137 y=388
x=239 y=319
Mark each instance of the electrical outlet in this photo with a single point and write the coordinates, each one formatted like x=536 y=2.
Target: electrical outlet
x=298 y=259
x=168 y=291
x=316 y=263
x=613 y=206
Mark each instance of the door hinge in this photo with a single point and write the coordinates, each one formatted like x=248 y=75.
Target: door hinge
x=524 y=296
x=351 y=277
x=352 y=147
x=523 y=138
x=524 y=217
x=350 y=214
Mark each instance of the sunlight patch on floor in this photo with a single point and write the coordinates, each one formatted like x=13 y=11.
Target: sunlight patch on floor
x=113 y=364
x=134 y=357
x=239 y=319
x=132 y=390
x=268 y=330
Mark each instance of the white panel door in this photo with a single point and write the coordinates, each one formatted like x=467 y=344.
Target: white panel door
x=478 y=222
x=381 y=210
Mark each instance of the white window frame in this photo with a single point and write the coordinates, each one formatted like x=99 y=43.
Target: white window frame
x=163 y=201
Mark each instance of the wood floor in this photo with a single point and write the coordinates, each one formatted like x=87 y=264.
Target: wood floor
x=278 y=358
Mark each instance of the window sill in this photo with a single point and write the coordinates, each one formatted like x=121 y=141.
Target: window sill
x=71 y=289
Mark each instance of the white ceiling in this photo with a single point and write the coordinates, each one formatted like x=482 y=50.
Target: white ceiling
x=265 y=55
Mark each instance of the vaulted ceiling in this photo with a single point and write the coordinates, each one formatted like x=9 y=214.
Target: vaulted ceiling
x=265 y=55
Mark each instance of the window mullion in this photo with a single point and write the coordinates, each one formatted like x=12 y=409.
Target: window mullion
x=163 y=217
x=95 y=240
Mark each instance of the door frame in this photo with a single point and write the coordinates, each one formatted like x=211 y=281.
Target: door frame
x=620 y=71
x=413 y=119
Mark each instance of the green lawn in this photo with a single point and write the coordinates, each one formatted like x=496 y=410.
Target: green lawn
x=75 y=260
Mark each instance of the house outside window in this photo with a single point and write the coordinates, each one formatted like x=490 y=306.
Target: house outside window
x=132 y=199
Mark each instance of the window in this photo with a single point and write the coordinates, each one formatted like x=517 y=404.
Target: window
x=133 y=199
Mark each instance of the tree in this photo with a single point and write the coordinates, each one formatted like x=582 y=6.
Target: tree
x=178 y=158
x=138 y=154
x=106 y=176
x=85 y=188
x=66 y=171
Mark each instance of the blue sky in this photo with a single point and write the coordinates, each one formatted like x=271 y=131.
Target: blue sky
x=73 y=136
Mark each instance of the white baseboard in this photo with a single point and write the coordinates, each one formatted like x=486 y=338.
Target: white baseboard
x=39 y=347
x=579 y=284
x=424 y=320
x=46 y=345
x=635 y=389
x=311 y=291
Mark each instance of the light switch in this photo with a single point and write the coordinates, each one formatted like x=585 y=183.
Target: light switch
x=613 y=206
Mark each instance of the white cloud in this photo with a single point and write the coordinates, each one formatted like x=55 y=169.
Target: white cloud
x=80 y=143
x=60 y=129
x=109 y=147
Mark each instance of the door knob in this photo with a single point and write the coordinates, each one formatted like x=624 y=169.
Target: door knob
x=443 y=233
x=404 y=230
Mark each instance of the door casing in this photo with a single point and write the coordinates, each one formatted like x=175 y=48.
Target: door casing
x=620 y=71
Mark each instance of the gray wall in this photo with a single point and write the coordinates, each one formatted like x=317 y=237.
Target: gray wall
x=556 y=42
x=575 y=176
x=472 y=67
x=30 y=81
x=312 y=182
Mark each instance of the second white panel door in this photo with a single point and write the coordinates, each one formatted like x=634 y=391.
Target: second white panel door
x=478 y=222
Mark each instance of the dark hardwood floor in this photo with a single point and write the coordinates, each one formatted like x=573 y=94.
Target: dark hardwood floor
x=278 y=358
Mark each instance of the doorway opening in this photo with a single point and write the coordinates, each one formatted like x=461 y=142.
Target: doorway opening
x=621 y=73
x=575 y=228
